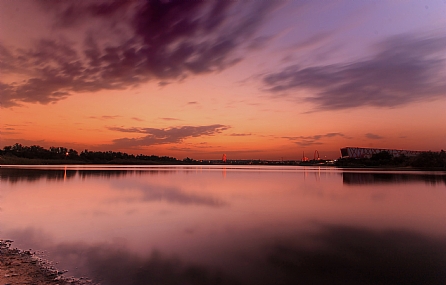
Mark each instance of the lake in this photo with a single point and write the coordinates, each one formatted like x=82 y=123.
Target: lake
x=230 y=225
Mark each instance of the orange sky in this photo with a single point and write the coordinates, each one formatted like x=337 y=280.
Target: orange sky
x=254 y=80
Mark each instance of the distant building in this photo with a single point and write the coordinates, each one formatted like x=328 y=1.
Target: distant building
x=361 y=152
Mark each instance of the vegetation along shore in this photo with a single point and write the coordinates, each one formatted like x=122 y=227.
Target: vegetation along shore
x=18 y=154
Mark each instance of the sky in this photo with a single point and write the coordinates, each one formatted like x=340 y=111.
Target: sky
x=265 y=79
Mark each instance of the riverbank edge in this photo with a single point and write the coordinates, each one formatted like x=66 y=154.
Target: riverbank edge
x=19 y=267
x=350 y=167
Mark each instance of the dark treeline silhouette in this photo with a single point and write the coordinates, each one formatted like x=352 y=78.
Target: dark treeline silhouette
x=86 y=156
x=19 y=154
x=428 y=159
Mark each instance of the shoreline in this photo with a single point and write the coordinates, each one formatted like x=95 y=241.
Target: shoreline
x=18 y=267
x=343 y=167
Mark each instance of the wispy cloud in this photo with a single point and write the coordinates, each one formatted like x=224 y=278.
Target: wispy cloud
x=373 y=136
x=153 y=136
x=163 y=83
x=170 y=119
x=405 y=69
x=313 y=140
x=152 y=192
x=105 y=117
x=8 y=131
x=164 y=40
x=312 y=41
x=260 y=42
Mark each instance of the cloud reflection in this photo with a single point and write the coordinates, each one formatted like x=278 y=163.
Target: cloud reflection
x=348 y=255
x=333 y=255
x=113 y=264
x=168 y=194
x=149 y=192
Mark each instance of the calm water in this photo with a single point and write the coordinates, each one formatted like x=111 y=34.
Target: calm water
x=224 y=225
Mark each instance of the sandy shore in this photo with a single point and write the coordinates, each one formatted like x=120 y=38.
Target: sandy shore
x=19 y=267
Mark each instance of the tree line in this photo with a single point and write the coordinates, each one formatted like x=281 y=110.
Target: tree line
x=433 y=160
x=426 y=159
x=63 y=153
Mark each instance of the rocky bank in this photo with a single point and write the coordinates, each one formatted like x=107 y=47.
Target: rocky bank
x=18 y=267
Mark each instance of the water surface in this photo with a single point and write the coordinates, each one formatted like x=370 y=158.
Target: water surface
x=230 y=225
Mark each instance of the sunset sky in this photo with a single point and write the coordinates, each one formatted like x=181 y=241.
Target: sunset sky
x=264 y=79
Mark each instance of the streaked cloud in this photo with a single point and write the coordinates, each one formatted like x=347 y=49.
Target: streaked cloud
x=405 y=69
x=170 y=119
x=312 y=41
x=8 y=131
x=373 y=136
x=163 y=83
x=105 y=117
x=313 y=140
x=152 y=193
x=164 y=40
x=153 y=136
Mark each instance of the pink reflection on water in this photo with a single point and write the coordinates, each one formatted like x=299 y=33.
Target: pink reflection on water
x=196 y=213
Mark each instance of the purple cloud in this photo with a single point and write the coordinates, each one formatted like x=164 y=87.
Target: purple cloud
x=170 y=119
x=163 y=40
x=373 y=136
x=405 y=69
x=105 y=117
x=70 y=14
x=304 y=141
x=163 y=83
x=155 y=136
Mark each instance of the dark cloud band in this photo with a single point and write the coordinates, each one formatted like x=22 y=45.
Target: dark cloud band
x=304 y=141
x=166 y=40
x=153 y=136
x=406 y=69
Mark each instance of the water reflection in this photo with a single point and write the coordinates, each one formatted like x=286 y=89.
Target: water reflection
x=349 y=255
x=334 y=254
x=14 y=175
x=359 y=178
x=177 y=225
x=150 y=192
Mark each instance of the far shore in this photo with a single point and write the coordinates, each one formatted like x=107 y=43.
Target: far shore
x=13 y=160
x=10 y=160
x=39 y=162
x=37 y=155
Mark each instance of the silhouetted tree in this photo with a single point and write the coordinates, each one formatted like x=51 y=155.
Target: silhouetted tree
x=430 y=159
